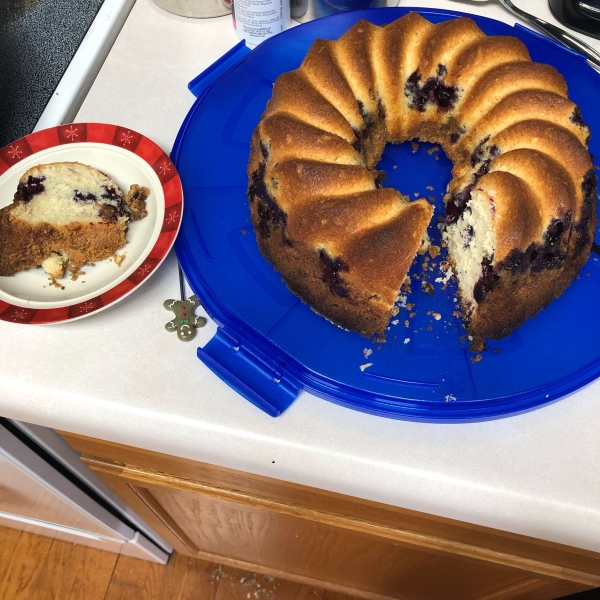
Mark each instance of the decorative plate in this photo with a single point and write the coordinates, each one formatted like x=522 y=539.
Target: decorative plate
x=125 y=156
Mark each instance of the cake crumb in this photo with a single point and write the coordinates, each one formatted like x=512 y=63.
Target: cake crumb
x=395 y=322
x=412 y=315
x=497 y=350
x=457 y=314
x=119 y=258
x=75 y=272
x=431 y=198
x=427 y=288
x=432 y=150
x=135 y=200
x=476 y=358
x=436 y=316
x=55 y=283
x=406 y=340
x=367 y=352
x=430 y=187
x=415 y=146
x=365 y=366
x=406 y=323
x=244 y=232
x=434 y=251
x=416 y=194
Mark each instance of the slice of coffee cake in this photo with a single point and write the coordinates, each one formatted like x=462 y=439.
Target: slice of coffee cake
x=63 y=214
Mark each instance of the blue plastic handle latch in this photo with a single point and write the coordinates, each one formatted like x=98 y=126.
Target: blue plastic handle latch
x=249 y=372
x=200 y=83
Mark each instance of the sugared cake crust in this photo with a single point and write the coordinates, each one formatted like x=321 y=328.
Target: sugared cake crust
x=521 y=206
x=65 y=214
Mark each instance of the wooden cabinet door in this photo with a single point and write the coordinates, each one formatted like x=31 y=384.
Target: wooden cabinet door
x=362 y=551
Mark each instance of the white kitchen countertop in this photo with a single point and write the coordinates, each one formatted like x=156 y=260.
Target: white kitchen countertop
x=119 y=376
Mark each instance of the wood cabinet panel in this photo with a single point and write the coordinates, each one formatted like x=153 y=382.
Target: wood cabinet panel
x=345 y=544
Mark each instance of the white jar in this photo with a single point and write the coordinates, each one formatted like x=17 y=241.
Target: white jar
x=257 y=20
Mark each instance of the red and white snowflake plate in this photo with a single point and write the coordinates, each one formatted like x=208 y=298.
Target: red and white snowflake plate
x=125 y=156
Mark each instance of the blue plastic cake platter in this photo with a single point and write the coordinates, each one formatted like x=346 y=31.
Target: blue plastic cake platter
x=269 y=345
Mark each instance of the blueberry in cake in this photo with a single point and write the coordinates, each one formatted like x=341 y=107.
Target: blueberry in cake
x=65 y=214
x=521 y=205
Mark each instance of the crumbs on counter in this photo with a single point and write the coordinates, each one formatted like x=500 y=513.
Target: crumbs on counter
x=365 y=366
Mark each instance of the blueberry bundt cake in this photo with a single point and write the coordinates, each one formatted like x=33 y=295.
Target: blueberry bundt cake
x=521 y=206
x=65 y=214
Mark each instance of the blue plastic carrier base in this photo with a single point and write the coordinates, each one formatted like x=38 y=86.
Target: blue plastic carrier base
x=269 y=344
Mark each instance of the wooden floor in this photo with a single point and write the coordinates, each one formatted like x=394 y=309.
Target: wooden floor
x=34 y=567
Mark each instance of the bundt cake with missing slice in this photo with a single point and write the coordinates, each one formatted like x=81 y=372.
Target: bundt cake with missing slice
x=65 y=214
x=521 y=205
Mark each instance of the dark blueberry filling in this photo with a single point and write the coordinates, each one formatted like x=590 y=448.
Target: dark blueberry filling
x=89 y=197
x=109 y=213
x=30 y=188
x=589 y=187
x=467 y=236
x=554 y=232
x=480 y=151
x=264 y=150
x=551 y=254
x=380 y=111
x=484 y=168
x=433 y=91
x=331 y=274
x=379 y=178
x=577 y=117
x=362 y=135
x=455 y=136
x=269 y=214
x=111 y=194
x=487 y=282
x=457 y=204
x=257 y=187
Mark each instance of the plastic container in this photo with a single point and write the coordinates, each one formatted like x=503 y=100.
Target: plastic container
x=270 y=345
